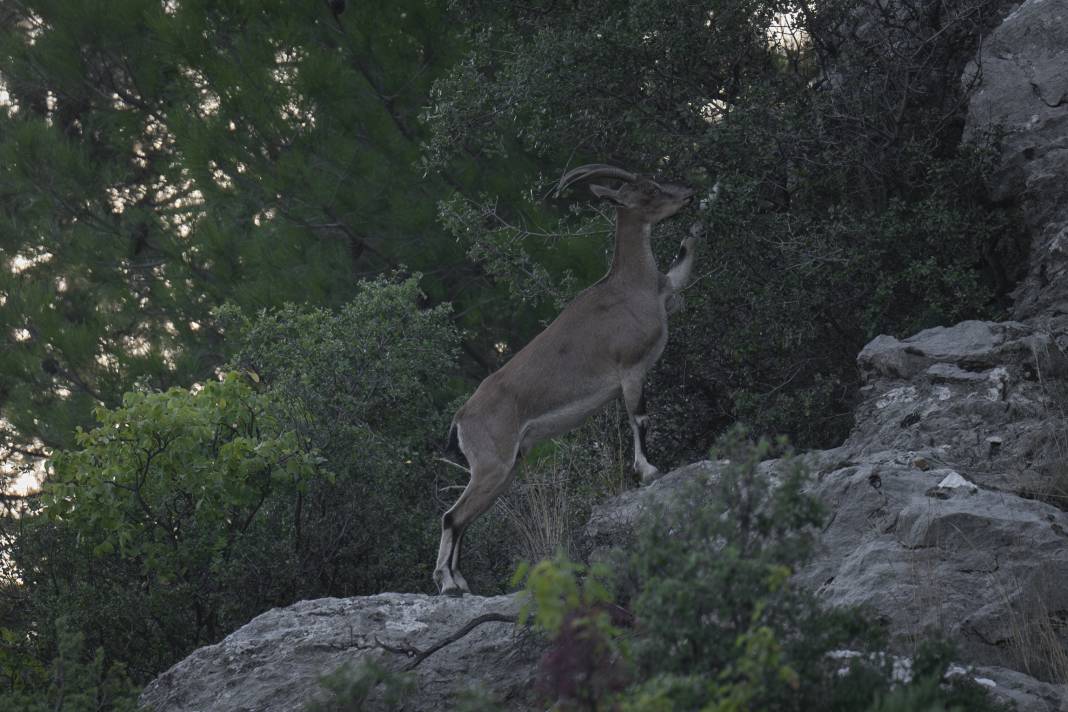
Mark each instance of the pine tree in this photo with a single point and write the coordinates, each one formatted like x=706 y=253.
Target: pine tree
x=158 y=159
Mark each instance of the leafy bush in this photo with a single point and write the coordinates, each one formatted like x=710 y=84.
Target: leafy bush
x=75 y=682
x=722 y=554
x=367 y=388
x=587 y=659
x=367 y=686
x=144 y=532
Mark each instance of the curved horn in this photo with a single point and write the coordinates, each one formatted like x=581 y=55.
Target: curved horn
x=593 y=170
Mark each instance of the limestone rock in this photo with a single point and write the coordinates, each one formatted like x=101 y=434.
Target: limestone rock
x=981 y=396
x=611 y=523
x=1025 y=693
x=273 y=663
x=1022 y=89
x=979 y=566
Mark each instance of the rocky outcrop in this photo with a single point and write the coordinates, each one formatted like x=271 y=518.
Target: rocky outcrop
x=611 y=523
x=938 y=522
x=1021 y=692
x=1023 y=91
x=938 y=519
x=275 y=662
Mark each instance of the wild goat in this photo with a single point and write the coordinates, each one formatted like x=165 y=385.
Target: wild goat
x=600 y=347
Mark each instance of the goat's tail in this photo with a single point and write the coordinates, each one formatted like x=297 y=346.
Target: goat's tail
x=452 y=447
x=453 y=453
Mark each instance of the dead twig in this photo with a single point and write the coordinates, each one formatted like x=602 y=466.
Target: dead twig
x=418 y=656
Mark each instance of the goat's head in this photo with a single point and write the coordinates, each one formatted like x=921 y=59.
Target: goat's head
x=651 y=200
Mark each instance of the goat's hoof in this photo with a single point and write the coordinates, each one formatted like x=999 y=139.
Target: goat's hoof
x=454 y=592
x=651 y=476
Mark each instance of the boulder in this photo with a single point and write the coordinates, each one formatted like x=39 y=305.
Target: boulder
x=274 y=663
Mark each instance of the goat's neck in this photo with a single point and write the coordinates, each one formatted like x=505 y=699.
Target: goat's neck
x=633 y=259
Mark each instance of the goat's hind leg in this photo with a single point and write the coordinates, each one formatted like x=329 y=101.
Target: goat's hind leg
x=488 y=481
x=444 y=578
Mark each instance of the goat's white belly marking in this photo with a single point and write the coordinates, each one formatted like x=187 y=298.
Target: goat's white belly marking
x=566 y=418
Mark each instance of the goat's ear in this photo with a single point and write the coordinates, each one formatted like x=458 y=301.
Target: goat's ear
x=607 y=193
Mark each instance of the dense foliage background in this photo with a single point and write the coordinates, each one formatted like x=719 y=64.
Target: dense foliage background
x=253 y=254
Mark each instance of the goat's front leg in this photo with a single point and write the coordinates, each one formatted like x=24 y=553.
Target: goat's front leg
x=679 y=274
x=634 y=400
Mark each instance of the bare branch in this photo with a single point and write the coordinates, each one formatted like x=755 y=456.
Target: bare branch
x=418 y=656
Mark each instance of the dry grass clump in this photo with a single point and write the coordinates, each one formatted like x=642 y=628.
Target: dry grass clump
x=553 y=494
x=1038 y=640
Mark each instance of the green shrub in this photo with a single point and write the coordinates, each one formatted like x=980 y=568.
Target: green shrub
x=723 y=554
x=370 y=685
x=587 y=660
